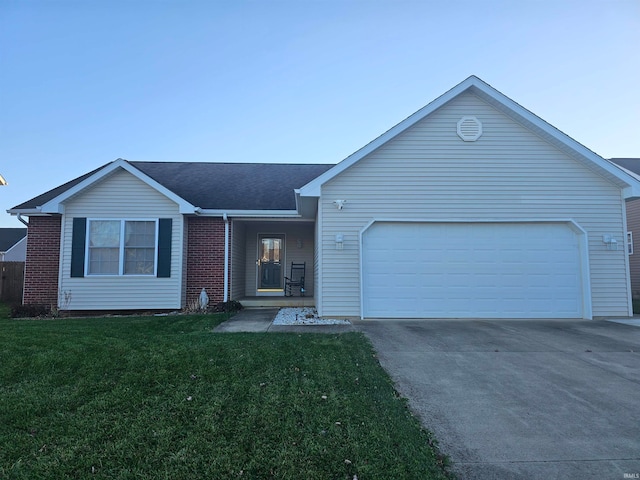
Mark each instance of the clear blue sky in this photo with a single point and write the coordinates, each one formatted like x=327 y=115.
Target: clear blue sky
x=85 y=82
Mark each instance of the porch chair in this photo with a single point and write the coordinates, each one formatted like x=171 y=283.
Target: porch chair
x=295 y=279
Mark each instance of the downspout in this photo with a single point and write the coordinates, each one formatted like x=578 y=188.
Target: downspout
x=22 y=220
x=226 y=257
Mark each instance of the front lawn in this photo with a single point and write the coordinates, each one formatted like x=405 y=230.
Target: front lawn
x=163 y=397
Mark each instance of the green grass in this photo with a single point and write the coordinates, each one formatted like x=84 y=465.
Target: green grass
x=5 y=310
x=163 y=397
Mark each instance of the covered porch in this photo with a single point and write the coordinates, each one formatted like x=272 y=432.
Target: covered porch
x=261 y=255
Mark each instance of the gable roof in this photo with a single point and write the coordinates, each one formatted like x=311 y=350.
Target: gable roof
x=196 y=186
x=10 y=236
x=501 y=102
x=35 y=202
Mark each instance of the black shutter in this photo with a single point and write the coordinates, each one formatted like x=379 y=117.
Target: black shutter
x=78 y=242
x=164 y=247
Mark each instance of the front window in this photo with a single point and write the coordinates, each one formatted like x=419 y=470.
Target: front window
x=122 y=247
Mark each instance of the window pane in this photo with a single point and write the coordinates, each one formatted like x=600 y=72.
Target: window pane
x=140 y=248
x=104 y=247
x=104 y=261
x=104 y=233
x=140 y=234
x=139 y=261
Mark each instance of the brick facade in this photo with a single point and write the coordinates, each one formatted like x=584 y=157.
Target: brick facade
x=205 y=258
x=42 y=264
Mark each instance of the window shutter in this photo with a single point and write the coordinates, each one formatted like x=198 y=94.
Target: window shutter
x=78 y=243
x=164 y=247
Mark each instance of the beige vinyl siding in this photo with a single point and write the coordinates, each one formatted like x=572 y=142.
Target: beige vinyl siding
x=122 y=196
x=428 y=173
x=238 y=259
x=293 y=231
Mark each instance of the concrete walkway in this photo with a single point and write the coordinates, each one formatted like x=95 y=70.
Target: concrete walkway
x=261 y=320
x=249 y=320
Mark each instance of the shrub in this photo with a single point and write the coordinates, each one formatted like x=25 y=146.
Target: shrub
x=228 y=307
x=30 y=311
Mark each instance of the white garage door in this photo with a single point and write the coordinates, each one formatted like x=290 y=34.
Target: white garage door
x=477 y=270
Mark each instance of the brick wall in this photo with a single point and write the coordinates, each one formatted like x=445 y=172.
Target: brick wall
x=205 y=258
x=42 y=265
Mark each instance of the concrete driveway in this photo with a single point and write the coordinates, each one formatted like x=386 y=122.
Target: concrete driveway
x=521 y=399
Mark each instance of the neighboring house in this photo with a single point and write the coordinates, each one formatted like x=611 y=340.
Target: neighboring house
x=471 y=207
x=13 y=244
x=632 y=165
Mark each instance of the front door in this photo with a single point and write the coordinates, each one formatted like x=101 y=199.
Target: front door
x=270 y=261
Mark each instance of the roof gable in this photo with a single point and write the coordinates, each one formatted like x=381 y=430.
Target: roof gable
x=195 y=187
x=502 y=103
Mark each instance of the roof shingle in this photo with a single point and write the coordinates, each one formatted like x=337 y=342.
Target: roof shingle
x=217 y=186
x=10 y=236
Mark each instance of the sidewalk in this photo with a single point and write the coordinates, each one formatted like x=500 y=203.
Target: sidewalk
x=260 y=320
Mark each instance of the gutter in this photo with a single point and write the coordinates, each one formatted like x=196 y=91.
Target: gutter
x=22 y=220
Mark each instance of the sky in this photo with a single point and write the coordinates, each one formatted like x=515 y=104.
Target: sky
x=83 y=83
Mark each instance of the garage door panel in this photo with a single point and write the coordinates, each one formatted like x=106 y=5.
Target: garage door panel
x=471 y=270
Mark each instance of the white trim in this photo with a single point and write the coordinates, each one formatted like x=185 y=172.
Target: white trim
x=630 y=185
x=55 y=205
x=60 y=257
x=30 y=212
x=318 y=286
x=627 y=261
x=203 y=212
x=583 y=242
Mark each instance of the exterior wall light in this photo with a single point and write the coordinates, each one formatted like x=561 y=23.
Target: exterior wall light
x=610 y=242
x=339 y=204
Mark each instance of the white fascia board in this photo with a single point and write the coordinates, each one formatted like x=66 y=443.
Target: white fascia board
x=28 y=212
x=632 y=191
x=630 y=186
x=55 y=205
x=312 y=189
x=204 y=212
x=554 y=136
x=296 y=192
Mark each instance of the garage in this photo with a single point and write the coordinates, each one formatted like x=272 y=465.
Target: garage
x=473 y=270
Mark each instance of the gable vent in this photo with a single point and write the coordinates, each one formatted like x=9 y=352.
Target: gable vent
x=469 y=129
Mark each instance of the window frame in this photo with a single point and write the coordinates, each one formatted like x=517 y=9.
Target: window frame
x=121 y=248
